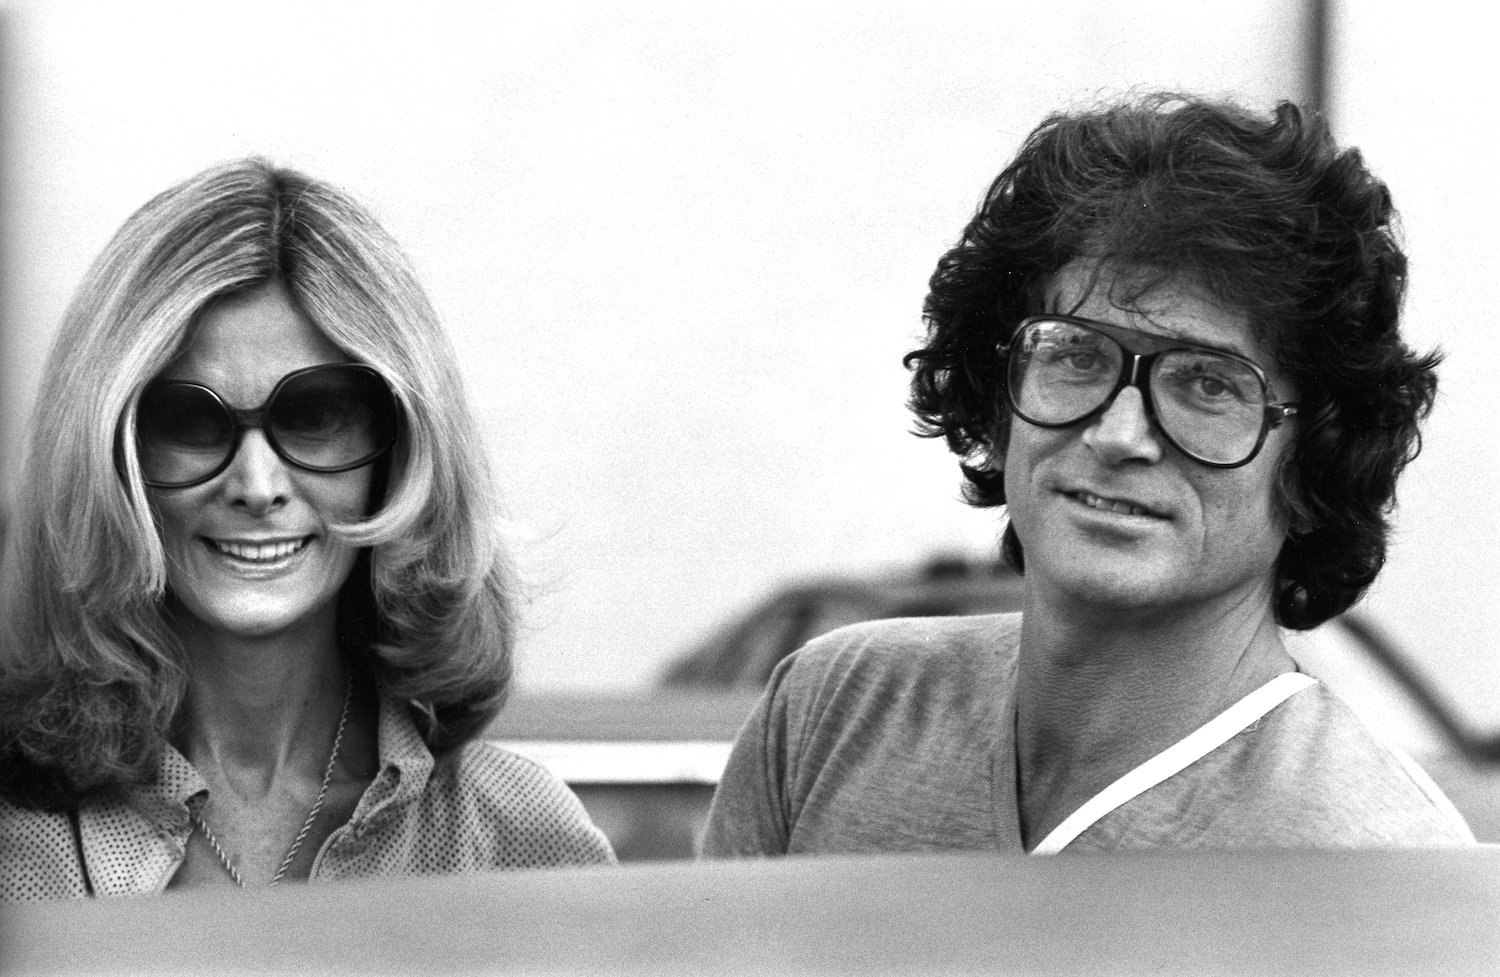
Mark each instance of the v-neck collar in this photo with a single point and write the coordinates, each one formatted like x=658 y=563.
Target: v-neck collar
x=1171 y=761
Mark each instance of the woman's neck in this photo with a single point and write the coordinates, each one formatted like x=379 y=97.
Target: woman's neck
x=254 y=704
x=1101 y=691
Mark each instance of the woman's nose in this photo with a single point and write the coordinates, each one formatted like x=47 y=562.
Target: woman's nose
x=257 y=479
x=1124 y=431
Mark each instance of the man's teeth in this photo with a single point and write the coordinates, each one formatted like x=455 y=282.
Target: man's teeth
x=1111 y=505
x=260 y=552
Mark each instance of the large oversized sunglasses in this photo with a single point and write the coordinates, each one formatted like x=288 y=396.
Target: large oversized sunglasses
x=1213 y=406
x=330 y=418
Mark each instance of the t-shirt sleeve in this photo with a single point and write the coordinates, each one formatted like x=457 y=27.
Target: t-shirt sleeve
x=748 y=816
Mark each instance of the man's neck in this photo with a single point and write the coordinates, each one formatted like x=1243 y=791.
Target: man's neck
x=1100 y=691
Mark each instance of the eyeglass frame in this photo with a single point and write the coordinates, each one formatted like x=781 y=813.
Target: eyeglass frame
x=1135 y=371
x=254 y=417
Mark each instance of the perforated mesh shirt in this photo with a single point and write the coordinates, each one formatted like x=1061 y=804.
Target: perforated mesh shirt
x=488 y=810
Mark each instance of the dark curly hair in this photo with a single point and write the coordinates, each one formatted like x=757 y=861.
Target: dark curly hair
x=1275 y=222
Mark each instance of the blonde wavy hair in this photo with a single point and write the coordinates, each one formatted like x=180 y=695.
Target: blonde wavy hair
x=91 y=677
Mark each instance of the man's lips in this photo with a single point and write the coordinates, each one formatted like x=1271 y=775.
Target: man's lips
x=1122 y=506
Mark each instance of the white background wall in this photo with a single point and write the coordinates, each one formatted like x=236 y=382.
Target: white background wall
x=1414 y=87
x=682 y=248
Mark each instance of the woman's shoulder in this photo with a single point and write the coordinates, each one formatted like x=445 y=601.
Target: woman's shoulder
x=38 y=855
x=503 y=775
x=504 y=792
x=477 y=806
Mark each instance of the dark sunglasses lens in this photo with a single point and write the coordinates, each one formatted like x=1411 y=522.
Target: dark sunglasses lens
x=333 y=419
x=1060 y=371
x=183 y=433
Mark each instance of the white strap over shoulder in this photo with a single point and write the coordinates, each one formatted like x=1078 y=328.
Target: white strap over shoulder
x=1175 y=758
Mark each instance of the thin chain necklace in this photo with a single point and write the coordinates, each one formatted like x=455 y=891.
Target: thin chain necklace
x=312 y=815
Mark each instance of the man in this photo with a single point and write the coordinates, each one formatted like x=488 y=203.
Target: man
x=1168 y=343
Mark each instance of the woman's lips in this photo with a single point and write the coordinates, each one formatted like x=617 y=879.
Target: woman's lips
x=258 y=552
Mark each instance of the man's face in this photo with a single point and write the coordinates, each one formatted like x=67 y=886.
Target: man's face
x=1111 y=515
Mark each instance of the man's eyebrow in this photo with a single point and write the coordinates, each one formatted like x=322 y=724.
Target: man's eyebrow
x=1234 y=345
x=1258 y=356
x=1255 y=356
x=1223 y=347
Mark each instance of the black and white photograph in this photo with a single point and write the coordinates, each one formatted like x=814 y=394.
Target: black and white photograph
x=824 y=487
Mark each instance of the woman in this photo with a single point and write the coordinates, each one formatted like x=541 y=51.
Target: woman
x=258 y=608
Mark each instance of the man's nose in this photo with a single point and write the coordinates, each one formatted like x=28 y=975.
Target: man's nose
x=1124 y=431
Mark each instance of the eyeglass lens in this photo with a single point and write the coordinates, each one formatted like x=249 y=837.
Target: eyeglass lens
x=1210 y=405
x=331 y=418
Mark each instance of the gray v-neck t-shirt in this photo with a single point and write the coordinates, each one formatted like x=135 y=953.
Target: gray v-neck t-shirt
x=899 y=736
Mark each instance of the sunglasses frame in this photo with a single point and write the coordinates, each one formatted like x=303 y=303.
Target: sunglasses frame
x=243 y=420
x=1142 y=350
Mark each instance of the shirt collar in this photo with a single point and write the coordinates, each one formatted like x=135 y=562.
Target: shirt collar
x=166 y=800
x=405 y=761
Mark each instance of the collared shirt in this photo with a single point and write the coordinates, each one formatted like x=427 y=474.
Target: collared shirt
x=484 y=809
x=899 y=736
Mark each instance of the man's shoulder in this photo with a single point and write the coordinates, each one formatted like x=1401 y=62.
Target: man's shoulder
x=877 y=737
x=1340 y=772
x=893 y=674
x=1310 y=774
x=913 y=649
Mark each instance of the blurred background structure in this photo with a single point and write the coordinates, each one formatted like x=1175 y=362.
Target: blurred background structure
x=682 y=248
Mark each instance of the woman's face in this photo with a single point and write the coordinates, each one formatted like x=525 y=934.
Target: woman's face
x=248 y=552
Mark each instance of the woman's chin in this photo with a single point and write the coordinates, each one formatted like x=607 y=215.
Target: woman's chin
x=214 y=596
x=249 y=617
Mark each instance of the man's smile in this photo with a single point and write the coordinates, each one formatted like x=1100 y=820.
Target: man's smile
x=1115 y=504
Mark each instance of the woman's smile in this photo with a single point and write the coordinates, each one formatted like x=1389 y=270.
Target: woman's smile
x=271 y=554
x=262 y=552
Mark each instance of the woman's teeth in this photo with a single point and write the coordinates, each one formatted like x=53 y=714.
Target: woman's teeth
x=260 y=552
